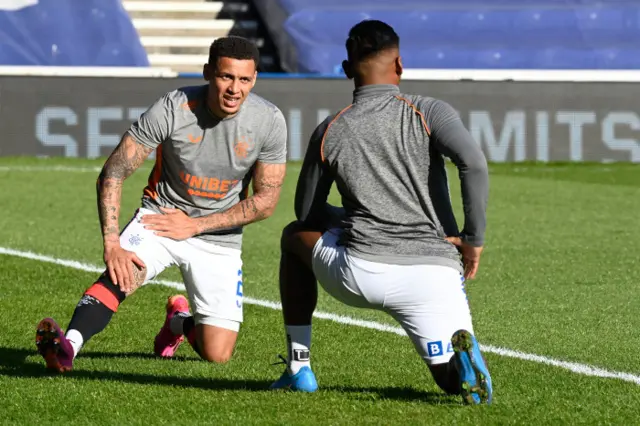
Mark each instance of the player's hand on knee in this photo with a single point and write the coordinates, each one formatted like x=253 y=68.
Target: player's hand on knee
x=470 y=256
x=125 y=268
x=174 y=224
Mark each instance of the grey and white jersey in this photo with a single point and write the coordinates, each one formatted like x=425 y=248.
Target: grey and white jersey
x=386 y=153
x=204 y=164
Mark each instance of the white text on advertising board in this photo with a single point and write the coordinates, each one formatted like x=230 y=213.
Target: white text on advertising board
x=516 y=135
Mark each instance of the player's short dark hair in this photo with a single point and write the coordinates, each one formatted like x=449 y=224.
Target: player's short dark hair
x=369 y=38
x=233 y=47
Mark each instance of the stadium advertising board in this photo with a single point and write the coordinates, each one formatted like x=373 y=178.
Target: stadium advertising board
x=512 y=121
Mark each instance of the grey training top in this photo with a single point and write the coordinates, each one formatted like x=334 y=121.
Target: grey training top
x=385 y=153
x=204 y=164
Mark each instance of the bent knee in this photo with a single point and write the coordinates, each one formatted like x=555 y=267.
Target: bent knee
x=139 y=274
x=295 y=234
x=217 y=355
x=446 y=378
x=288 y=234
x=216 y=358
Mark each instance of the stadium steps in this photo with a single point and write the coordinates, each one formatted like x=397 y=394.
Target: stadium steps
x=177 y=33
x=269 y=60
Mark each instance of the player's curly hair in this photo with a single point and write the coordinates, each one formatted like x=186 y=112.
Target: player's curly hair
x=369 y=38
x=233 y=47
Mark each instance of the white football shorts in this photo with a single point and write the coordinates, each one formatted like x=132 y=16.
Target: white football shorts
x=212 y=274
x=428 y=301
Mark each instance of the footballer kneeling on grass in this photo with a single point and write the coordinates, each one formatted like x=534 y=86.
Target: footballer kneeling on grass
x=211 y=142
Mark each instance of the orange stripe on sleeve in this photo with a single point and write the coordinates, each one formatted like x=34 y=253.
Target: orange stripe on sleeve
x=152 y=185
x=327 y=131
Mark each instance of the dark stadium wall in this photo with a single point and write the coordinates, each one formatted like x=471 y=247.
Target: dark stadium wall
x=528 y=121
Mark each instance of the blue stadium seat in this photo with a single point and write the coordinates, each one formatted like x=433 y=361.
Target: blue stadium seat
x=545 y=34
x=70 y=33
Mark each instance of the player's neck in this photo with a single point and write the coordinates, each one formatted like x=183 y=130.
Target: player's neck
x=375 y=80
x=359 y=85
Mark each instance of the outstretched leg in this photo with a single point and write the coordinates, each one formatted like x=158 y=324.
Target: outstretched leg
x=100 y=301
x=92 y=315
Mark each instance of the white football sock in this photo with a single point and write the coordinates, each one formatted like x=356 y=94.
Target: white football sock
x=75 y=338
x=298 y=343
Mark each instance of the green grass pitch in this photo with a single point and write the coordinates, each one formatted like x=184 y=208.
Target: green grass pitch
x=559 y=278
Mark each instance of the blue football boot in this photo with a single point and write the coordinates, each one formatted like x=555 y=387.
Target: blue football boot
x=475 y=381
x=303 y=381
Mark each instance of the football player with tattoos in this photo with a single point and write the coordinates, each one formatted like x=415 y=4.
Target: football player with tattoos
x=211 y=141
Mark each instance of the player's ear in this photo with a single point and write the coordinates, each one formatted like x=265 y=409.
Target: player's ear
x=255 y=78
x=206 y=72
x=399 y=66
x=346 y=67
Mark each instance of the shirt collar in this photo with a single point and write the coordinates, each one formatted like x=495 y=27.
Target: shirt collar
x=371 y=90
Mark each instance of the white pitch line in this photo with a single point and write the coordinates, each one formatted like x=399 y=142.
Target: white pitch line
x=583 y=369
x=65 y=169
x=49 y=169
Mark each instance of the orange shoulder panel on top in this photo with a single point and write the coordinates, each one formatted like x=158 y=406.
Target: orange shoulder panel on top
x=190 y=105
x=424 y=121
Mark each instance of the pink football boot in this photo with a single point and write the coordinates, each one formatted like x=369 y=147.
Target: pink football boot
x=166 y=343
x=54 y=346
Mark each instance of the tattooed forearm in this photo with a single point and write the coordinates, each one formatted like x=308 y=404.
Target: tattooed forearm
x=109 y=190
x=251 y=202
x=253 y=209
x=124 y=160
x=270 y=183
x=268 y=180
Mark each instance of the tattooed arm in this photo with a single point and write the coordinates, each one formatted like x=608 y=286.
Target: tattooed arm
x=267 y=183
x=122 y=162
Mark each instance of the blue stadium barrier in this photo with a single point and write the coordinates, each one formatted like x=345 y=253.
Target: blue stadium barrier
x=70 y=33
x=493 y=34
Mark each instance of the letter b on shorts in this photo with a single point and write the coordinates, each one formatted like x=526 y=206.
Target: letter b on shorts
x=434 y=348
